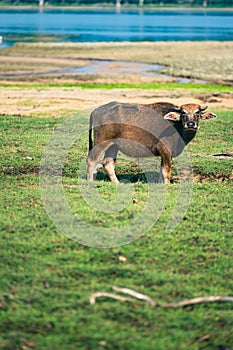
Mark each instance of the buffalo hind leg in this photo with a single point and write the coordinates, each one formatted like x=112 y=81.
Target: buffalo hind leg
x=109 y=162
x=166 y=167
x=93 y=157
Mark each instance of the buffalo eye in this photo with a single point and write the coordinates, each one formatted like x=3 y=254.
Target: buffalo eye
x=184 y=116
x=197 y=114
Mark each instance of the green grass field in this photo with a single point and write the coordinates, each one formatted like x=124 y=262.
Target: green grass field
x=47 y=279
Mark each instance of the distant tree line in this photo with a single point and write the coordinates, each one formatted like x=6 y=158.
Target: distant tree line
x=118 y=3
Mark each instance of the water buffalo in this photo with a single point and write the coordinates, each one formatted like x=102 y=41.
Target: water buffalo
x=159 y=129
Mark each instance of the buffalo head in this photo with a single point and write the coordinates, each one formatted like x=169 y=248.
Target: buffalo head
x=189 y=115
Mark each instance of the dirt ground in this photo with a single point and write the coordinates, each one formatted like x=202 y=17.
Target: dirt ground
x=57 y=101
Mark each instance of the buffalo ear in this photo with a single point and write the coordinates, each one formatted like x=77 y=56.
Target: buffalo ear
x=208 y=115
x=172 y=116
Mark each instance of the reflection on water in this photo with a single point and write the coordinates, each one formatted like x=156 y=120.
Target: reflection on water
x=107 y=25
x=119 y=67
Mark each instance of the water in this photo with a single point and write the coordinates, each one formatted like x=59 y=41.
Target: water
x=115 y=67
x=110 y=25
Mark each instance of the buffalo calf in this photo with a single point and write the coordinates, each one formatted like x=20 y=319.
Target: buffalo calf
x=159 y=129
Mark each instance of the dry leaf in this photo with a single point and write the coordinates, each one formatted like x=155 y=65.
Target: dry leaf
x=28 y=345
x=122 y=258
x=204 y=337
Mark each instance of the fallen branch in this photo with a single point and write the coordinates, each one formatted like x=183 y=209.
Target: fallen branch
x=217 y=155
x=200 y=300
x=139 y=296
x=94 y=296
x=136 y=295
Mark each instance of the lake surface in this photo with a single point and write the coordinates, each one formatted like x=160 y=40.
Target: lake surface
x=110 y=25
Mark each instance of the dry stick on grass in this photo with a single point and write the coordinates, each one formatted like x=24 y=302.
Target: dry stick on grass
x=208 y=299
x=136 y=295
x=94 y=296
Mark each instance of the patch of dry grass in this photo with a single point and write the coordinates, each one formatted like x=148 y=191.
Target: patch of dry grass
x=208 y=60
x=30 y=64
